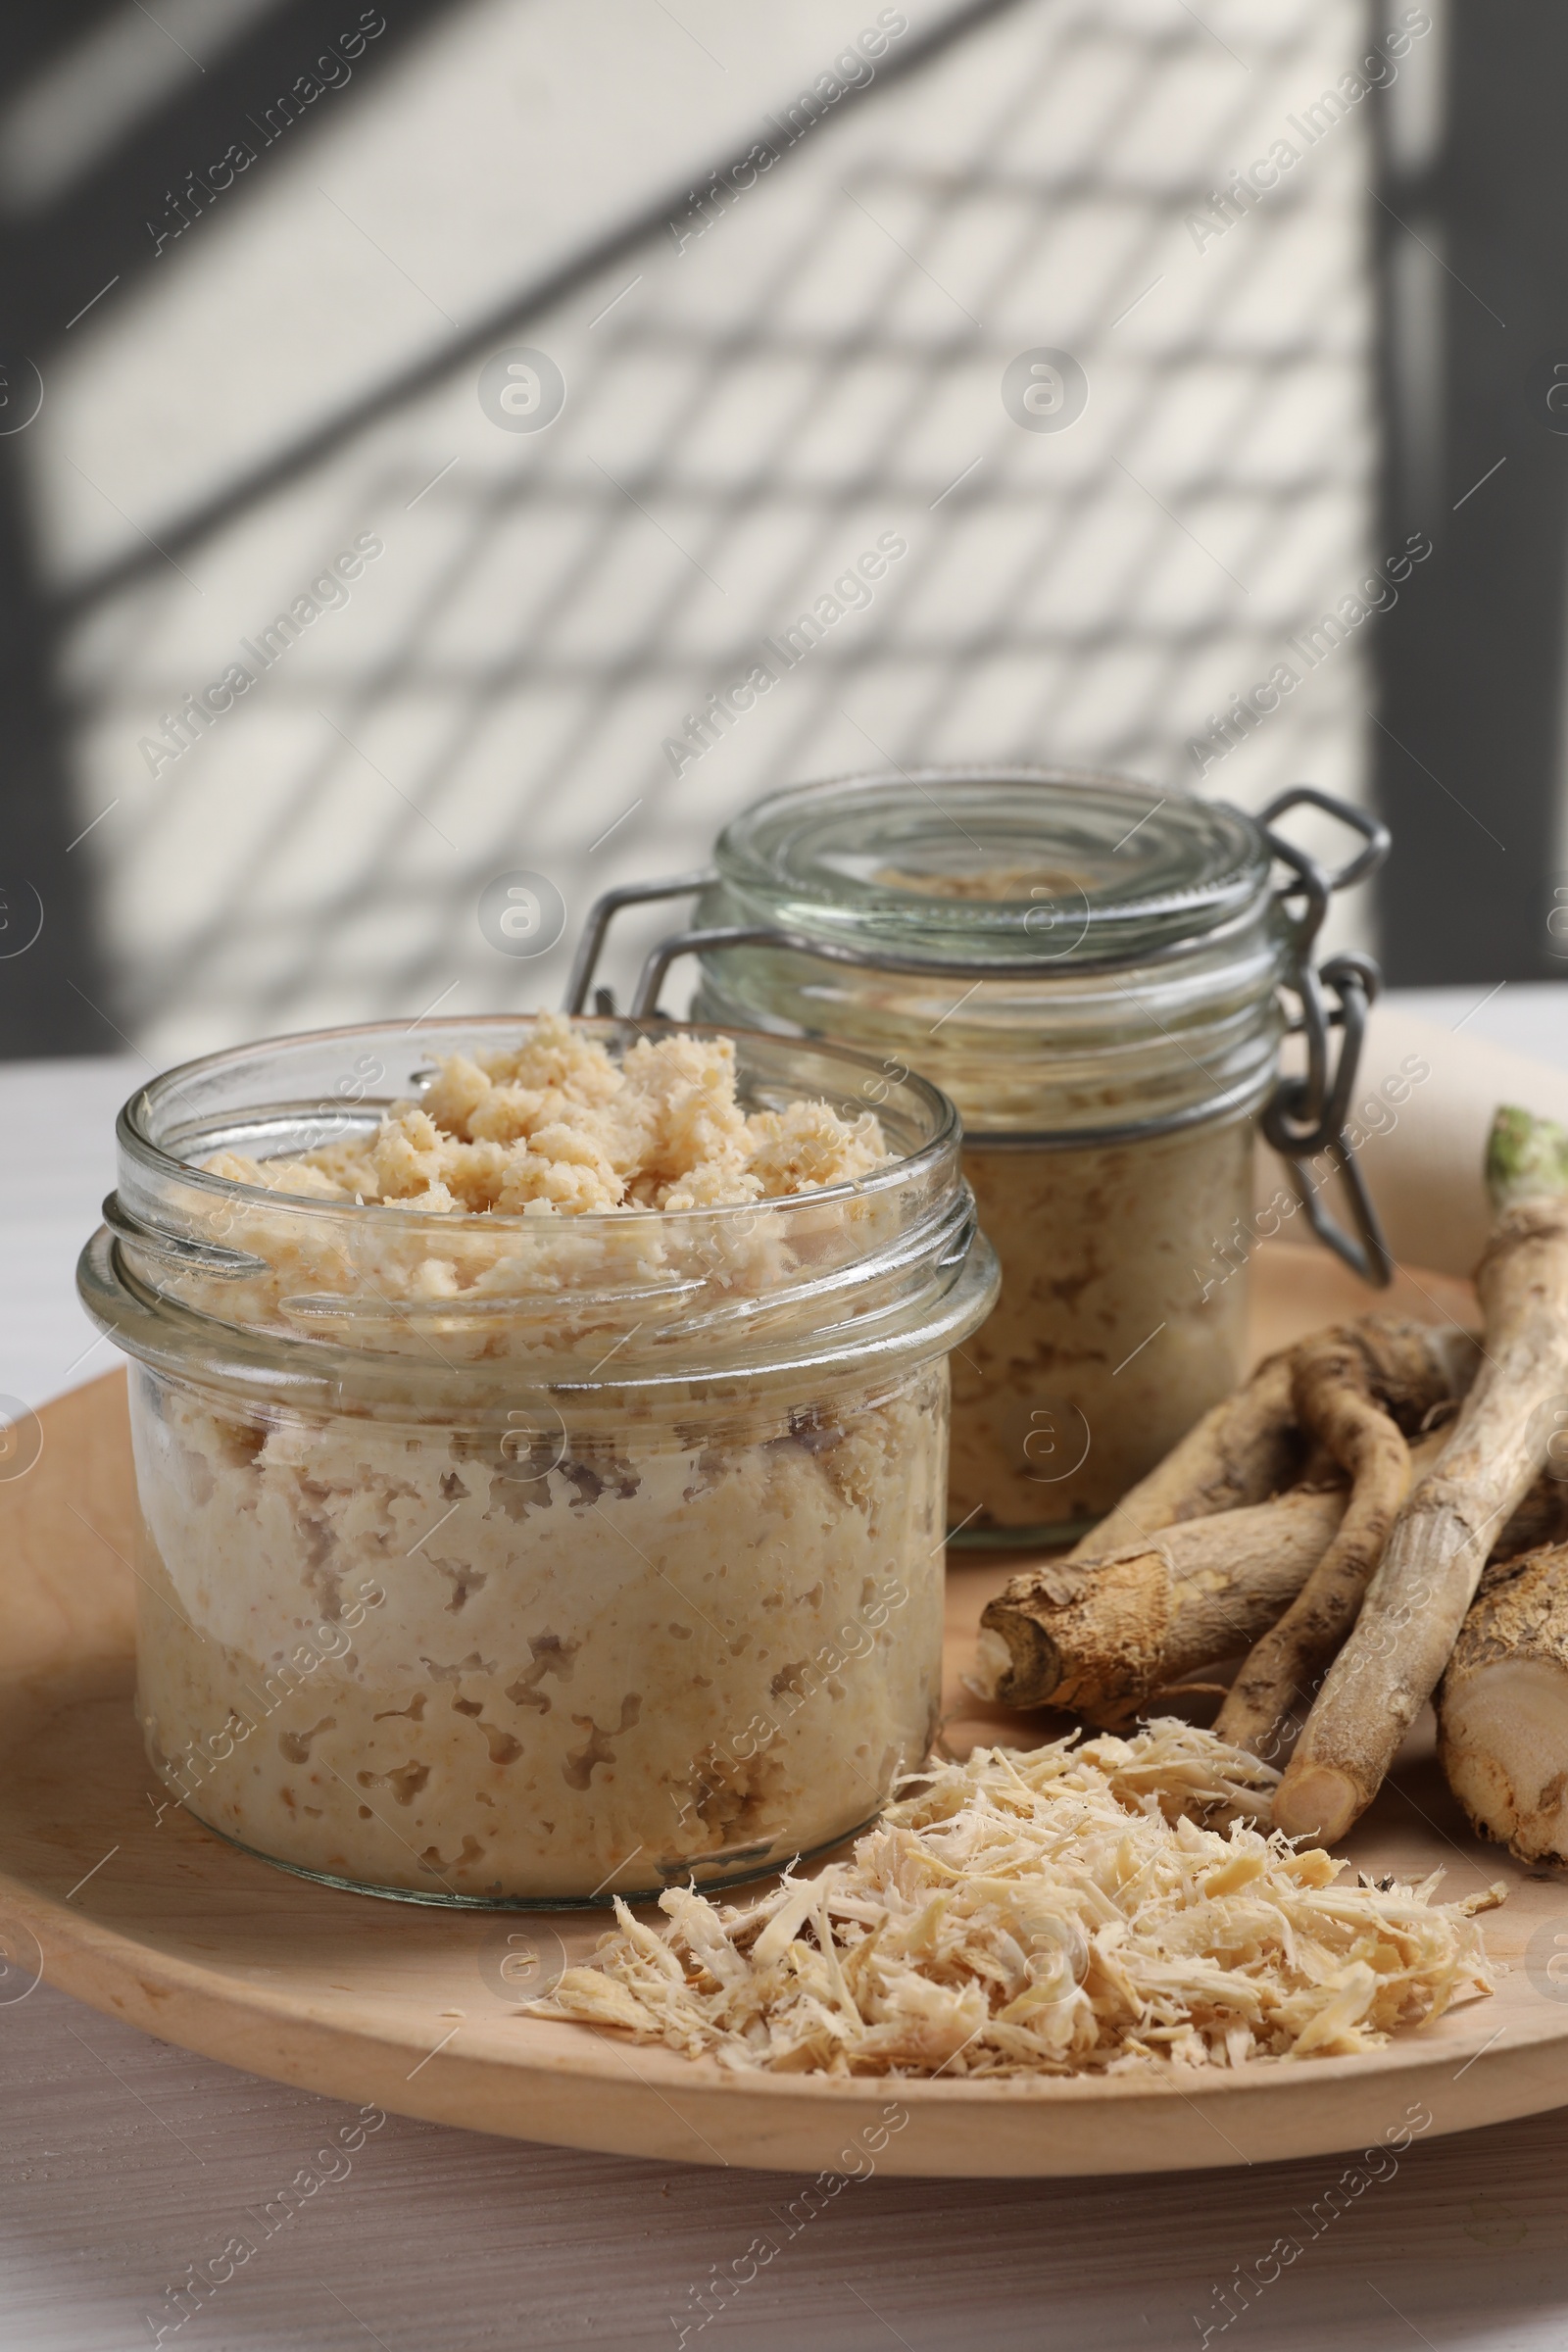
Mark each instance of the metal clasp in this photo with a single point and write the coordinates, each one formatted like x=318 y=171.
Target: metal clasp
x=1307 y=1115
x=651 y=980
x=600 y=915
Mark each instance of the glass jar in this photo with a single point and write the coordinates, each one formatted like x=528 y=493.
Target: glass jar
x=1093 y=973
x=513 y=1559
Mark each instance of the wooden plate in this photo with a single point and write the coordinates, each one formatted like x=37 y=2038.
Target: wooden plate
x=418 y=2010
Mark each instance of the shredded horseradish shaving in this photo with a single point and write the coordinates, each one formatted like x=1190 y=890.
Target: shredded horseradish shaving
x=1051 y=1911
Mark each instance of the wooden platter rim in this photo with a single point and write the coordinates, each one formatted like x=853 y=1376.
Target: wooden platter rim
x=89 y=1943
x=111 y=1972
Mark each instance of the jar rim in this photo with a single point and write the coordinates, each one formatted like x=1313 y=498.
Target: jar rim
x=876 y=856
x=141 y=1146
x=313 y=1296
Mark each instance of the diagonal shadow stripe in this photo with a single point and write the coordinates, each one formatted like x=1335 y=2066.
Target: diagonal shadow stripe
x=187 y=532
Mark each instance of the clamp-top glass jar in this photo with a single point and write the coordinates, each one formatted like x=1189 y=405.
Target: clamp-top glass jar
x=1093 y=973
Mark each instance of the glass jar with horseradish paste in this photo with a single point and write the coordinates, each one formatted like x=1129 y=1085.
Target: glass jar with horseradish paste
x=539 y=1435
x=1100 y=976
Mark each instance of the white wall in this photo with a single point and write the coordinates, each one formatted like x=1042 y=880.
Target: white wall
x=815 y=369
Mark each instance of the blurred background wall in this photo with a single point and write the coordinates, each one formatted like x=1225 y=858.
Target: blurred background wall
x=411 y=416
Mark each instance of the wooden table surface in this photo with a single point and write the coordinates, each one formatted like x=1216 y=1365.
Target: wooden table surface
x=125 y=2161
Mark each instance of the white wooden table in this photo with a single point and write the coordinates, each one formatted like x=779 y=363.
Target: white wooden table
x=123 y=2160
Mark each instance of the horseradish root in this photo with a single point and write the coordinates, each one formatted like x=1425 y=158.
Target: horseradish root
x=1120 y=1643
x=1102 y=1635
x=1243 y=1449
x=1122 y=1619
x=1353 y=1387
x=1427 y=1578
x=1542 y=1518
x=1503 y=1707
x=1112 y=1647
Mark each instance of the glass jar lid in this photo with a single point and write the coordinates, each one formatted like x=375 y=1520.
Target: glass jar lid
x=995 y=865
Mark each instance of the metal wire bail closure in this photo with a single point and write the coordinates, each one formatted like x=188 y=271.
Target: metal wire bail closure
x=1306 y=1116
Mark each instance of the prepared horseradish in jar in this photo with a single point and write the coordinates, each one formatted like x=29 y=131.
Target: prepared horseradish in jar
x=1090 y=971
x=539 y=1435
